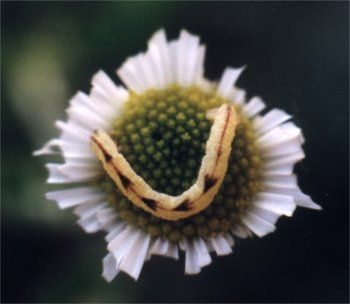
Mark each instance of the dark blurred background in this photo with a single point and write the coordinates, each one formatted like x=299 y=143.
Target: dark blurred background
x=297 y=56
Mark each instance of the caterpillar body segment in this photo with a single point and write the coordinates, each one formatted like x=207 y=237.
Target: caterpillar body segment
x=193 y=200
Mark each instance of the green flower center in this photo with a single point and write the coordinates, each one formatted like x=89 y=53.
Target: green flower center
x=162 y=134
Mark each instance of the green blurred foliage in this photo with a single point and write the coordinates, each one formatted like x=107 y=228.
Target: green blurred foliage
x=297 y=55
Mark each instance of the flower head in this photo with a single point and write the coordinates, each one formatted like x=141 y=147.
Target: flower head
x=162 y=138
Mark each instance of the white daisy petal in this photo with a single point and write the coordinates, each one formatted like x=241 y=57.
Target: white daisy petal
x=173 y=54
x=227 y=81
x=270 y=120
x=202 y=252
x=302 y=199
x=159 y=246
x=173 y=251
x=258 y=225
x=237 y=96
x=115 y=231
x=115 y=95
x=197 y=254
x=280 y=179
x=76 y=196
x=199 y=67
x=183 y=245
x=81 y=159
x=149 y=72
x=268 y=216
x=187 y=50
x=110 y=268
x=229 y=239
x=253 y=107
x=108 y=227
x=241 y=231
x=293 y=190
x=154 y=58
x=209 y=246
x=85 y=118
x=68 y=149
x=121 y=243
x=191 y=259
x=276 y=143
x=90 y=224
x=55 y=176
x=129 y=74
x=80 y=99
x=102 y=105
x=291 y=130
x=144 y=71
x=71 y=150
x=133 y=261
x=159 y=42
x=283 y=164
x=276 y=203
x=80 y=172
x=220 y=245
x=106 y=216
x=278 y=134
x=98 y=102
x=88 y=209
x=163 y=247
x=73 y=133
x=48 y=148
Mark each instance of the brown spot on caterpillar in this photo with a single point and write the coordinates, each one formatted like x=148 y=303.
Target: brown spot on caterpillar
x=125 y=181
x=184 y=206
x=152 y=204
x=106 y=155
x=209 y=182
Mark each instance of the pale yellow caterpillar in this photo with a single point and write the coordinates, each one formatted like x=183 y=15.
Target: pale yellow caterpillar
x=191 y=201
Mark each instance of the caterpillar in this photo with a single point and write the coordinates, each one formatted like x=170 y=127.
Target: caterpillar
x=193 y=200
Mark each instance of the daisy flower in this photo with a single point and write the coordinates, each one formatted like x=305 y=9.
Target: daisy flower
x=159 y=122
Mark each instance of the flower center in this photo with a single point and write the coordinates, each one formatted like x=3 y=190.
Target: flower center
x=162 y=134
